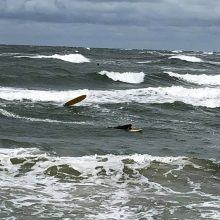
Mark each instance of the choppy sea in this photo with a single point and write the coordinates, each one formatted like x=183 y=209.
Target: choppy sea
x=61 y=162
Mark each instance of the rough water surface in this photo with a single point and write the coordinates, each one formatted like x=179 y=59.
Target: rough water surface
x=61 y=162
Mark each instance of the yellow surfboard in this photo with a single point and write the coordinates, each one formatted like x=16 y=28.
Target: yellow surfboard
x=135 y=130
x=75 y=100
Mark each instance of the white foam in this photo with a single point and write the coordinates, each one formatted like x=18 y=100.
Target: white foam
x=73 y=58
x=96 y=195
x=128 y=77
x=202 y=79
x=13 y=115
x=210 y=209
x=187 y=58
x=10 y=93
x=87 y=165
x=18 y=151
x=185 y=68
x=208 y=97
x=143 y=62
x=208 y=53
x=8 y=54
x=177 y=51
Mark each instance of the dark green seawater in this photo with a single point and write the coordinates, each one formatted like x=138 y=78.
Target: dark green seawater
x=61 y=162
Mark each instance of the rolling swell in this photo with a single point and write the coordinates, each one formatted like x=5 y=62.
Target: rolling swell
x=70 y=69
x=65 y=162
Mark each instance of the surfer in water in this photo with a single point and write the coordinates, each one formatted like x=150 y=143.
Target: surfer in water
x=125 y=127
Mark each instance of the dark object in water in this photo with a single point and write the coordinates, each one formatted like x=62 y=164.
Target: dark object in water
x=126 y=127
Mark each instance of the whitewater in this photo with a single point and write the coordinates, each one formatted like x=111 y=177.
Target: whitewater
x=73 y=58
x=59 y=162
x=202 y=79
x=208 y=97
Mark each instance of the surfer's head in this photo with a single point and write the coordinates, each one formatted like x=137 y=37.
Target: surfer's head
x=129 y=126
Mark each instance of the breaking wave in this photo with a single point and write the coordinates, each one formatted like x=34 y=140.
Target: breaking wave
x=93 y=164
x=9 y=93
x=127 y=77
x=73 y=58
x=208 y=97
x=177 y=51
x=187 y=58
x=144 y=62
x=105 y=181
x=202 y=79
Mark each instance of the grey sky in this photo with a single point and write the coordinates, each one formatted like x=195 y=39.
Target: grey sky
x=151 y=24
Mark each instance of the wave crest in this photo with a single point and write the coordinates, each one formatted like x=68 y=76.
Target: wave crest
x=192 y=59
x=207 y=97
x=73 y=58
x=202 y=79
x=127 y=77
x=9 y=93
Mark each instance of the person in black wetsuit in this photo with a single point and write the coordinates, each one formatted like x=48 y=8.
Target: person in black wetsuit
x=125 y=127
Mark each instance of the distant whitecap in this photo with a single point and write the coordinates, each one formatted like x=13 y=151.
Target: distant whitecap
x=177 y=51
x=73 y=58
x=192 y=59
